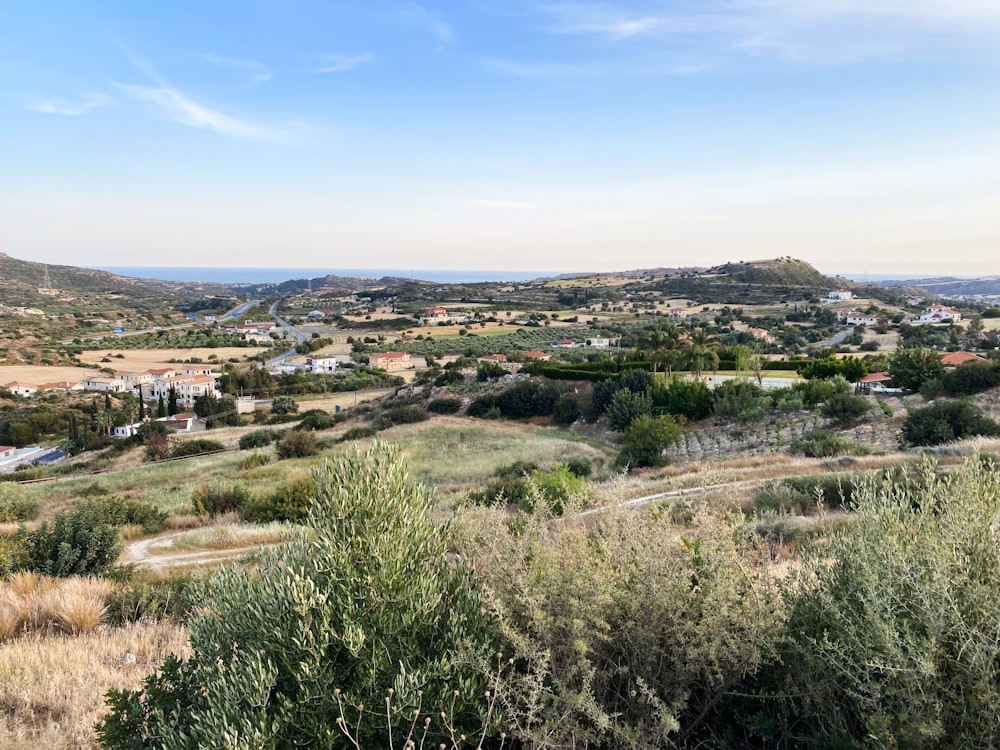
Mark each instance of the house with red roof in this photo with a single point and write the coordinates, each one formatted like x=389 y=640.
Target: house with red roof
x=957 y=359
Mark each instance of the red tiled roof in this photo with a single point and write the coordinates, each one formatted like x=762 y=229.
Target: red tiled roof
x=876 y=377
x=954 y=359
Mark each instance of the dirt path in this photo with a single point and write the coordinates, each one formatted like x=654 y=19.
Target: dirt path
x=151 y=553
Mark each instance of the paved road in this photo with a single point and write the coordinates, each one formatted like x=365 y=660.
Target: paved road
x=290 y=330
x=838 y=339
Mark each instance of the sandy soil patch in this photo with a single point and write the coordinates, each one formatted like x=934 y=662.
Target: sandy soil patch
x=40 y=374
x=144 y=359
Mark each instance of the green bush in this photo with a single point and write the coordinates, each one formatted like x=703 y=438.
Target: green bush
x=944 y=421
x=646 y=440
x=822 y=444
x=196 y=447
x=565 y=411
x=316 y=419
x=484 y=407
x=527 y=398
x=371 y=600
x=444 y=406
x=517 y=470
x=844 y=408
x=149 y=600
x=741 y=400
x=580 y=466
x=254 y=460
x=15 y=505
x=257 y=439
x=890 y=640
x=297 y=444
x=626 y=407
x=284 y=405
x=290 y=502
x=401 y=414
x=358 y=433
x=214 y=501
x=76 y=542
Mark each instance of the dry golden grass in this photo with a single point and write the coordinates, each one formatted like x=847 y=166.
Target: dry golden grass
x=30 y=602
x=39 y=374
x=144 y=359
x=52 y=686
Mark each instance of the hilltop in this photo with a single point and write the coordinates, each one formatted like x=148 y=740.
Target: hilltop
x=748 y=282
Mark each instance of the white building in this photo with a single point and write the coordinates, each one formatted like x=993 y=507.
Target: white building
x=939 y=314
x=839 y=295
x=855 y=318
x=322 y=364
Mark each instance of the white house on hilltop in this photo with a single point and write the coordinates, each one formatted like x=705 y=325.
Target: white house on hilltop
x=939 y=314
x=839 y=295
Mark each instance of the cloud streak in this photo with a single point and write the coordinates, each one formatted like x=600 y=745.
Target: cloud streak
x=429 y=21
x=69 y=108
x=337 y=63
x=657 y=38
x=256 y=72
x=177 y=107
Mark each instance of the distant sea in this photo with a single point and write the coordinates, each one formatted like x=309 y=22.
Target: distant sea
x=278 y=275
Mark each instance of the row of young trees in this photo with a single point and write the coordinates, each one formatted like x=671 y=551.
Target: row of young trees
x=619 y=631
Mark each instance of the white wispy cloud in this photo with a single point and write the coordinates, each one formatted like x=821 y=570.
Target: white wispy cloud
x=428 y=20
x=177 y=106
x=823 y=32
x=337 y=63
x=83 y=106
x=256 y=72
x=182 y=109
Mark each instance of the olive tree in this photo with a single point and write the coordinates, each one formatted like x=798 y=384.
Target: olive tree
x=285 y=655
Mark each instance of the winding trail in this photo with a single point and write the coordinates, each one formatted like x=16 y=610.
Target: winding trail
x=153 y=553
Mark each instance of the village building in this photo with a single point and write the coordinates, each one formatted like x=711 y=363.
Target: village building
x=390 y=361
x=939 y=314
x=957 y=359
x=855 y=318
x=319 y=365
x=839 y=295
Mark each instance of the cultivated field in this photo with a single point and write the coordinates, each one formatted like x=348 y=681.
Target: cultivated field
x=39 y=374
x=144 y=359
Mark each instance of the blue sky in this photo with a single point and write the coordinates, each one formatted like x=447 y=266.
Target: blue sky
x=860 y=135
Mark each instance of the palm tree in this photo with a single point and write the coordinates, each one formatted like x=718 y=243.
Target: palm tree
x=703 y=352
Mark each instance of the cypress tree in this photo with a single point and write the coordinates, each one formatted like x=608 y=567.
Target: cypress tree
x=161 y=408
x=172 y=401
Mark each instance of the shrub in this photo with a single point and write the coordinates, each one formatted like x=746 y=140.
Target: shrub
x=444 y=406
x=565 y=411
x=196 y=447
x=944 y=421
x=78 y=541
x=527 y=398
x=401 y=414
x=844 y=408
x=290 y=502
x=149 y=600
x=297 y=444
x=739 y=399
x=118 y=511
x=15 y=505
x=358 y=433
x=579 y=466
x=556 y=488
x=284 y=405
x=822 y=444
x=215 y=501
x=683 y=397
x=372 y=599
x=518 y=470
x=891 y=624
x=316 y=419
x=972 y=377
x=484 y=407
x=645 y=441
x=489 y=371
x=254 y=460
x=504 y=491
x=622 y=634
x=626 y=407
x=257 y=439
x=790 y=401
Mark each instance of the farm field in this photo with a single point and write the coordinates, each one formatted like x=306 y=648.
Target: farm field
x=39 y=374
x=139 y=359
